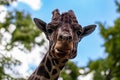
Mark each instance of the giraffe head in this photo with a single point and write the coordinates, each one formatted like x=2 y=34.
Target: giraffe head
x=64 y=32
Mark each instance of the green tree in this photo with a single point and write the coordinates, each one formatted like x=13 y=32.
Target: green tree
x=24 y=33
x=70 y=72
x=7 y=62
x=109 y=68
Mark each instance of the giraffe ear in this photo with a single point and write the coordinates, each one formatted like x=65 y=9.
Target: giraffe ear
x=40 y=24
x=88 y=30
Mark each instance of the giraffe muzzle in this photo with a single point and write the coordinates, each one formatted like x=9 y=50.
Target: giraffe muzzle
x=65 y=38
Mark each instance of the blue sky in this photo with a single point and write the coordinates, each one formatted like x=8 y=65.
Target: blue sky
x=87 y=12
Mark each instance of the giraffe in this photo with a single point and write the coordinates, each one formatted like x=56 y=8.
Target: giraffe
x=63 y=32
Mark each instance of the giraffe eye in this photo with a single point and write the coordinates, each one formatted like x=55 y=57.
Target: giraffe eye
x=79 y=33
x=49 y=31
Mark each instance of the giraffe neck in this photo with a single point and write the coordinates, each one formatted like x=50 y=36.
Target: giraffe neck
x=49 y=68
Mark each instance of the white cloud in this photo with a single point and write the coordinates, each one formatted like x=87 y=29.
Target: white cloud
x=3 y=13
x=33 y=58
x=86 y=77
x=14 y=3
x=29 y=60
x=35 y=4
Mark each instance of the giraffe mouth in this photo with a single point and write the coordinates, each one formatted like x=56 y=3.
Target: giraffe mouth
x=62 y=51
x=63 y=48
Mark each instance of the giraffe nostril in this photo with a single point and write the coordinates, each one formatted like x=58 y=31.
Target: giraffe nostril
x=70 y=38
x=60 y=37
x=65 y=37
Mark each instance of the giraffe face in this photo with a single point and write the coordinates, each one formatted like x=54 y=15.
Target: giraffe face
x=63 y=37
x=64 y=33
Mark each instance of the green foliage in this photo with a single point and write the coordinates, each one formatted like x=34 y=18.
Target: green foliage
x=7 y=63
x=100 y=68
x=71 y=72
x=25 y=33
x=108 y=68
x=6 y=2
x=117 y=3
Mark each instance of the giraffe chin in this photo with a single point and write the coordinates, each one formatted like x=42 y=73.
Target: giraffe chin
x=62 y=53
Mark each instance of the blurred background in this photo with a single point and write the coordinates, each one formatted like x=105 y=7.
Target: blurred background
x=23 y=45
